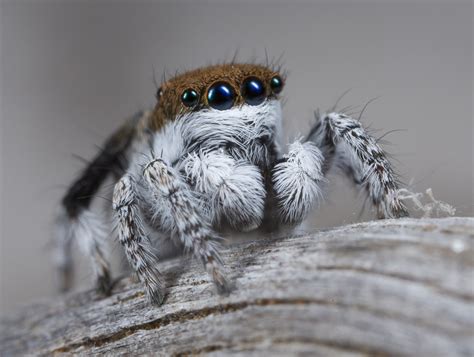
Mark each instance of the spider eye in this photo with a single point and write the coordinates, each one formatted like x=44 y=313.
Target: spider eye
x=253 y=91
x=276 y=83
x=190 y=97
x=159 y=93
x=221 y=96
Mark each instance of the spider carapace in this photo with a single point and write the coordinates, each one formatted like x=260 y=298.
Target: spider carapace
x=208 y=160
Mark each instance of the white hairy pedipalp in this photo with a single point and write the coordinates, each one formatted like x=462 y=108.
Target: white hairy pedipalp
x=298 y=181
x=231 y=189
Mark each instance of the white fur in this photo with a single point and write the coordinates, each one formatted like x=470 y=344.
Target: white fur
x=241 y=126
x=230 y=189
x=212 y=129
x=89 y=231
x=298 y=180
x=241 y=198
x=207 y=170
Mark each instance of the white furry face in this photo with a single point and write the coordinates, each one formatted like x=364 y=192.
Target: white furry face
x=246 y=131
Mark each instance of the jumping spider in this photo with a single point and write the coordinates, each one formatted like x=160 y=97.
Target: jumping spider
x=207 y=158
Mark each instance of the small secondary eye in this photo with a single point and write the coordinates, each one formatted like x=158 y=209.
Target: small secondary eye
x=276 y=83
x=221 y=96
x=253 y=91
x=159 y=93
x=190 y=97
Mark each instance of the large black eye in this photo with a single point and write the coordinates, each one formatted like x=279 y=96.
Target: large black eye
x=221 y=96
x=253 y=91
x=276 y=83
x=190 y=97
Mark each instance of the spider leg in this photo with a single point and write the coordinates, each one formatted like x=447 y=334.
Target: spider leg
x=178 y=206
x=347 y=145
x=89 y=231
x=134 y=239
x=297 y=181
x=76 y=222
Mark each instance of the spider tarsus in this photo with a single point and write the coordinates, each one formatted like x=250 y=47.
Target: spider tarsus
x=156 y=297
x=64 y=278
x=104 y=284
x=223 y=286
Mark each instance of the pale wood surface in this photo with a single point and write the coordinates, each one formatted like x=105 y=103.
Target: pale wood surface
x=396 y=287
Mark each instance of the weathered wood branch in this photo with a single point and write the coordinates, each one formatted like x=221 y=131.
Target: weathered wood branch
x=400 y=287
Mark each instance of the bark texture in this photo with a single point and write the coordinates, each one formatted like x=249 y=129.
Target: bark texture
x=394 y=287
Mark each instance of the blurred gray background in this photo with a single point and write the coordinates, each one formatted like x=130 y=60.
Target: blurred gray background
x=72 y=70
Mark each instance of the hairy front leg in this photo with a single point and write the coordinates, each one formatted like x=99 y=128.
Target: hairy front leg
x=134 y=239
x=177 y=205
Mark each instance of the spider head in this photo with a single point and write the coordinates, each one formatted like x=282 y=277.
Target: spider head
x=231 y=106
x=218 y=89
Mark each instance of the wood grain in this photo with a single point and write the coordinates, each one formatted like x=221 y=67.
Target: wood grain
x=394 y=287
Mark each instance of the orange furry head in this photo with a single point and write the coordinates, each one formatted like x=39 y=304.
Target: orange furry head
x=172 y=93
